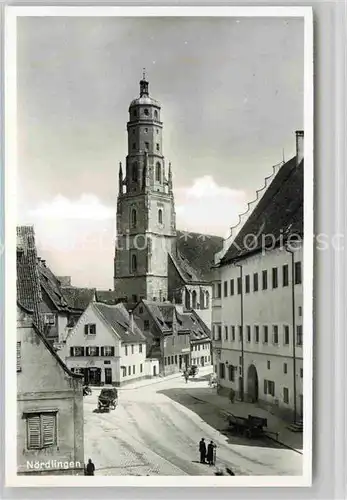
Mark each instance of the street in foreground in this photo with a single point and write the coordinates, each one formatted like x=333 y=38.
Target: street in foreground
x=151 y=433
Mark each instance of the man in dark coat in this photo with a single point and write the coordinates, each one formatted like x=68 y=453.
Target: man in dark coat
x=210 y=453
x=90 y=468
x=202 y=449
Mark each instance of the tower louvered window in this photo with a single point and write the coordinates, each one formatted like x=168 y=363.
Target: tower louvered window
x=41 y=430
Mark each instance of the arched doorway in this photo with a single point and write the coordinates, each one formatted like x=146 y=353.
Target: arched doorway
x=252 y=384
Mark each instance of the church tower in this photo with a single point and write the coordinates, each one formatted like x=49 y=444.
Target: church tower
x=146 y=226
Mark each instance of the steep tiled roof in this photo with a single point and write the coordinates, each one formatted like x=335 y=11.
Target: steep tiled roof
x=162 y=313
x=28 y=282
x=194 y=255
x=278 y=213
x=78 y=298
x=51 y=285
x=119 y=319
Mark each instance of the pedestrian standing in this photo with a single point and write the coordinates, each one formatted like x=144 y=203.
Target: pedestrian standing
x=186 y=376
x=89 y=471
x=210 y=453
x=202 y=449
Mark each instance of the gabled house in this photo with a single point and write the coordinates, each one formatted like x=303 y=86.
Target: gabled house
x=106 y=346
x=49 y=395
x=167 y=335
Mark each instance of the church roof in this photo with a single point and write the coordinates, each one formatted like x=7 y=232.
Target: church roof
x=194 y=255
x=78 y=298
x=279 y=213
x=145 y=101
x=119 y=319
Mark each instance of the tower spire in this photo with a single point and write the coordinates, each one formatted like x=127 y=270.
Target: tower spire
x=144 y=84
x=120 y=178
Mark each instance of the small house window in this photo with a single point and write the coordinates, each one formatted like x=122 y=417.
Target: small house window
x=147 y=146
x=49 y=319
x=126 y=350
x=90 y=329
x=146 y=112
x=297 y=273
x=160 y=216
x=255 y=282
x=77 y=351
x=264 y=279
x=41 y=430
x=107 y=350
x=285 y=275
x=274 y=277
x=146 y=324
x=140 y=347
x=92 y=351
x=156 y=115
x=134 y=145
x=286 y=334
x=157 y=146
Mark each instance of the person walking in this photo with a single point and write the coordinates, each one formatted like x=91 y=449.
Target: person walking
x=90 y=468
x=186 y=376
x=202 y=449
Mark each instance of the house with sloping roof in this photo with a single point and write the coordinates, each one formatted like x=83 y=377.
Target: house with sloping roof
x=257 y=311
x=50 y=428
x=172 y=336
x=106 y=346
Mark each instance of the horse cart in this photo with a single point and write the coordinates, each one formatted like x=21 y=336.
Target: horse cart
x=251 y=427
x=108 y=399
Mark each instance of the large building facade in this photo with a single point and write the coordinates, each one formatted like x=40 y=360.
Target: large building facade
x=258 y=298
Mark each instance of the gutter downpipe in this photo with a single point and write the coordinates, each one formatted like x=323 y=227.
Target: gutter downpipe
x=242 y=338
x=293 y=331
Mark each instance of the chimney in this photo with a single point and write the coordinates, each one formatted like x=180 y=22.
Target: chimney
x=299 y=146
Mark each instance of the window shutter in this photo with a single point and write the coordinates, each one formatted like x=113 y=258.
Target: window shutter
x=265 y=386
x=102 y=351
x=71 y=351
x=34 y=431
x=85 y=329
x=112 y=351
x=48 y=429
x=97 y=351
x=19 y=364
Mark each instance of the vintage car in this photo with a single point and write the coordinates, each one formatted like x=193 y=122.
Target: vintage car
x=193 y=370
x=108 y=399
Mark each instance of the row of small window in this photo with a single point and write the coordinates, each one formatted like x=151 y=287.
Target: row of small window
x=232 y=370
x=201 y=360
x=135 y=171
x=146 y=113
x=217 y=334
x=229 y=288
x=92 y=351
x=134 y=217
x=130 y=370
x=197 y=347
x=145 y=130
x=157 y=146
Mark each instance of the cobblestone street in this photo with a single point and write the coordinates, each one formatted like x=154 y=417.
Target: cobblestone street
x=156 y=428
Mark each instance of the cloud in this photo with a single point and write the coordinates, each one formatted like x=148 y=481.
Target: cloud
x=207 y=207
x=87 y=207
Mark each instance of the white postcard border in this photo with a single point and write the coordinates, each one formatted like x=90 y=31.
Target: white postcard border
x=12 y=479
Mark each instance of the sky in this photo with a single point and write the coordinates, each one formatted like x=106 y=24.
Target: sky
x=231 y=91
